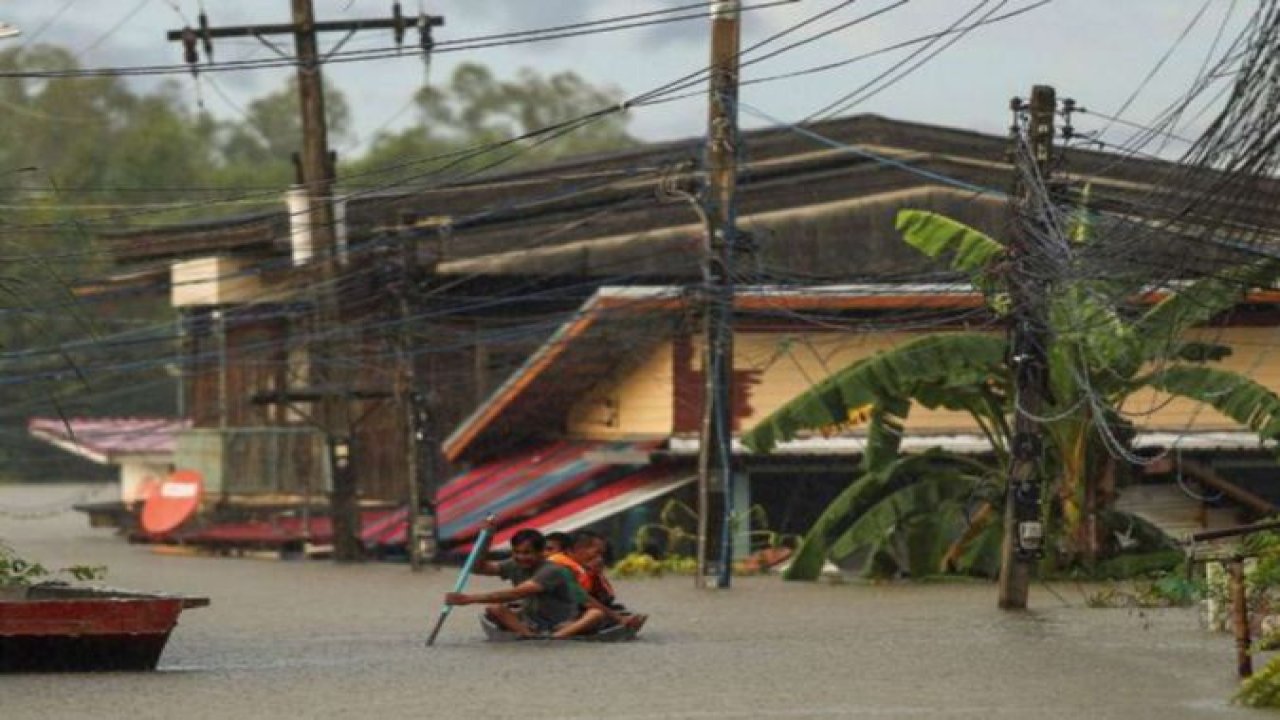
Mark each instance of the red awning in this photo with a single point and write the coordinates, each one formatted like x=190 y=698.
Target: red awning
x=527 y=483
x=635 y=489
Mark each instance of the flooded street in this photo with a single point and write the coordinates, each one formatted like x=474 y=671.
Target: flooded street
x=311 y=640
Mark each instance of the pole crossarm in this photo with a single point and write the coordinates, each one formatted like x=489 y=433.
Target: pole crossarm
x=399 y=24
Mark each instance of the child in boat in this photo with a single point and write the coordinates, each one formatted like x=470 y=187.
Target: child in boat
x=552 y=601
x=597 y=585
x=584 y=557
x=558 y=542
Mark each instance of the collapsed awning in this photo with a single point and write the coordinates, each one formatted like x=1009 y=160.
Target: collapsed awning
x=112 y=439
x=635 y=489
x=522 y=484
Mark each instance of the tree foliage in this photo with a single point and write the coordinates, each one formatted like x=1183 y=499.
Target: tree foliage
x=933 y=513
x=476 y=109
x=81 y=155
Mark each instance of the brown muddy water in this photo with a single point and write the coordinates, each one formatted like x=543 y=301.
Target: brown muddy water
x=312 y=640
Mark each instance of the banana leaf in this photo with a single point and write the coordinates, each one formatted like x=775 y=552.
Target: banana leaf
x=863 y=493
x=1240 y=398
x=945 y=360
x=1161 y=327
x=935 y=235
x=922 y=503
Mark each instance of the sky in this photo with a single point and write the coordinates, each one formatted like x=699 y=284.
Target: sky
x=1110 y=55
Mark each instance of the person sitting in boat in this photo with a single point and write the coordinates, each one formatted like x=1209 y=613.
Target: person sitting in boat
x=552 y=602
x=584 y=557
x=598 y=584
x=558 y=542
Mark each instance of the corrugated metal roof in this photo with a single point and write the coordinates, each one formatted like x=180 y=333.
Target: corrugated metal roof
x=973 y=443
x=105 y=440
x=524 y=483
x=553 y=377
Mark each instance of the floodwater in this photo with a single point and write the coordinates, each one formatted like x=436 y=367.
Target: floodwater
x=313 y=640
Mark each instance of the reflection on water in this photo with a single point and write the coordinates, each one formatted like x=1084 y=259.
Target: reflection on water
x=316 y=640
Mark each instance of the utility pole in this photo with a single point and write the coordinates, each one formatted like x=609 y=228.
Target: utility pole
x=317 y=177
x=421 y=441
x=715 y=456
x=406 y=392
x=1029 y=340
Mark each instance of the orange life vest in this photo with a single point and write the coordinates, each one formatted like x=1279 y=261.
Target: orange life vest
x=584 y=577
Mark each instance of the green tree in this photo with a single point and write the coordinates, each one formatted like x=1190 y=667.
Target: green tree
x=476 y=108
x=939 y=511
x=83 y=155
x=258 y=150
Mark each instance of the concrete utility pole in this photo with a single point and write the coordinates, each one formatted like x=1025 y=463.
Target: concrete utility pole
x=406 y=380
x=317 y=177
x=715 y=456
x=1029 y=345
x=417 y=411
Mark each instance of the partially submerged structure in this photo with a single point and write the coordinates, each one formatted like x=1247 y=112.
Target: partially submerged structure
x=141 y=448
x=474 y=279
x=606 y=413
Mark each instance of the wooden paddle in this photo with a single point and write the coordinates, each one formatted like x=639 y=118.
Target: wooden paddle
x=481 y=546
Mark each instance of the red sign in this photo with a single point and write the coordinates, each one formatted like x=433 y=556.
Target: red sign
x=171 y=504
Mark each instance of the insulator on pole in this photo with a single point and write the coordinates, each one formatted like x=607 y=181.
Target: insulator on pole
x=428 y=41
x=397 y=14
x=190 y=53
x=206 y=37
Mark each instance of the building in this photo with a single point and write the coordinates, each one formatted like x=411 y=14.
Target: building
x=481 y=272
x=605 y=415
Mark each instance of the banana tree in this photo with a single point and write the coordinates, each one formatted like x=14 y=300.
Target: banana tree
x=940 y=512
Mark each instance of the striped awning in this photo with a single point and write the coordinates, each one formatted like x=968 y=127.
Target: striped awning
x=603 y=502
x=528 y=483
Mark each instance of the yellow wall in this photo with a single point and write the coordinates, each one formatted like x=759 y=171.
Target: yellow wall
x=1254 y=355
x=635 y=400
x=789 y=363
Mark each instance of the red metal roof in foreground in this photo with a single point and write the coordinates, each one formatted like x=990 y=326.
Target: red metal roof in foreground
x=635 y=489
x=526 y=483
x=104 y=440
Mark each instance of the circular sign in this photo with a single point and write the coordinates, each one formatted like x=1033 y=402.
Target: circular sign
x=171 y=504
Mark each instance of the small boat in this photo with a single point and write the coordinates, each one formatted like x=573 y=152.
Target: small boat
x=611 y=633
x=54 y=627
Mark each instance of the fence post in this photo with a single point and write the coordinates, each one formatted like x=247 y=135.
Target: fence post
x=1240 y=617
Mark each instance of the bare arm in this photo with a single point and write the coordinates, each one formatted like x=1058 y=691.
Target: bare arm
x=523 y=590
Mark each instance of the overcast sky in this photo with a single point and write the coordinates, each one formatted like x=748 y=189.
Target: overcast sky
x=1097 y=51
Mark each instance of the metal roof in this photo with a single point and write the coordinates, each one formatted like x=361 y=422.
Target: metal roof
x=108 y=440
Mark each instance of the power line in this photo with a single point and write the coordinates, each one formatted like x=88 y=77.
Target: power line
x=481 y=42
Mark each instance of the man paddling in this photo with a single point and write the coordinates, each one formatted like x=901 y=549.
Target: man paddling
x=552 y=602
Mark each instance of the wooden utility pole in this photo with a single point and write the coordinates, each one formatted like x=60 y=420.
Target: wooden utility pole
x=715 y=456
x=316 y=169
x=1029 y=340
x=317 y=178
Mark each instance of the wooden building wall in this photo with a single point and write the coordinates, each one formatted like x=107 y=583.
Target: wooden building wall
x=635 y=401
x=256 y=361
x=774 y=367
